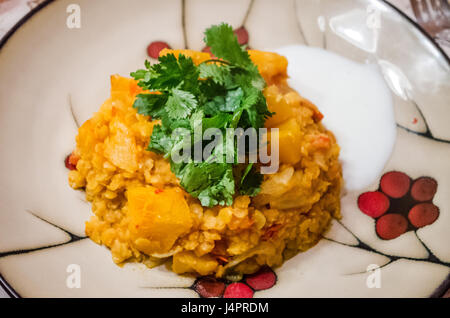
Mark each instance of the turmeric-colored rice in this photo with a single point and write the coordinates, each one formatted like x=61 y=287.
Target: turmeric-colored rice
x=143 y=215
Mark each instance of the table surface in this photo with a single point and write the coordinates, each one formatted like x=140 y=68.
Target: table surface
x=12 y=11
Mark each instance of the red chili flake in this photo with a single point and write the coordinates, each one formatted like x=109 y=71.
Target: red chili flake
x=238 y=290
x=317 y=116
x=242 y=35
x=209 y=287
x=158 y=191
x=265 y=278
x=374 y=204
x=270 y=232
x=390 y=226
x=71 y=161
x=221 y=259
x=137 y=226
x=423 y=214
x=415 y=120
x=322 y=141
x=424 y=189
x=155 y=47
x=395 y=184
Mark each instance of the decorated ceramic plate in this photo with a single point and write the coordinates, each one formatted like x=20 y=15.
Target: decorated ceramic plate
x=93 y=203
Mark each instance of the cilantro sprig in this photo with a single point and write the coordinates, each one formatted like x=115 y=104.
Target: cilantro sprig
x=224 y=92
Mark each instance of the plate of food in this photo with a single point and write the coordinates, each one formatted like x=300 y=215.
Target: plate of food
x=192 y=149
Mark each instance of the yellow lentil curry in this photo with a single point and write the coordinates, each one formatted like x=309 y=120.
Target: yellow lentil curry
x=142 y=214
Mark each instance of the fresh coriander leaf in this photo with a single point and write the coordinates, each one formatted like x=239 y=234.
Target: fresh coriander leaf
x=196 y=119
x=150 y=104
x=220 y=74
x=233 y=100
x=172 y=72
x=250 y=181
x=171 y=124
x=139 y=74
x=168 y=74
x=221 y=193
x=224 y=45
x=246 y=172
x=190 y=74
x=236 y=118
x=214 y=106
x=160 y=141
x=211 y=183
x=180 y=104
x=214 y=183
x=144 y=75
x=221 y=120
x=216 y=94
x=228 y=103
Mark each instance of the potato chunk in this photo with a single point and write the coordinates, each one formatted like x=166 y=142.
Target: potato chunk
x=120 y=146
x=290 y=137
x=272 y=66
x=188 y=262
x=157 y=218
x=124 y=89
x=285 y=106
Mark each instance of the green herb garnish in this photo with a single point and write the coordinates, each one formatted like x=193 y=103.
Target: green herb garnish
x=220 y=93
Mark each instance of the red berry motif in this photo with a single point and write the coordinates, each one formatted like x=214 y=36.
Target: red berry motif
x=71 y=161
x=209 y=287
x=242 y=35
x=395 y=184
x=155 y=47
x=424 y=189
x=264 y=279
x=423 y=214
x=400 y=204
x=374 y=204
x=391 y=226
x=238 y=290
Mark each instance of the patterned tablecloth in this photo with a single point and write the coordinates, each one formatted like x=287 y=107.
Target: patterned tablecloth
x=12 y=11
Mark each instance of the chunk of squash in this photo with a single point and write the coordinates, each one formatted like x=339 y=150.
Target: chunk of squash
x=284 y=105
x=271 y=66
x=157 y=218
x=120 y=145
x=289 y=138
x=188 y=262
x=124 y=89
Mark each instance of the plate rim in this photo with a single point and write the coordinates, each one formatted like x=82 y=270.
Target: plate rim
x=438 y=292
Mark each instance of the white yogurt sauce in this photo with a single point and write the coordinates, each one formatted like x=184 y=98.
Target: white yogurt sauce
x=357 y=107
